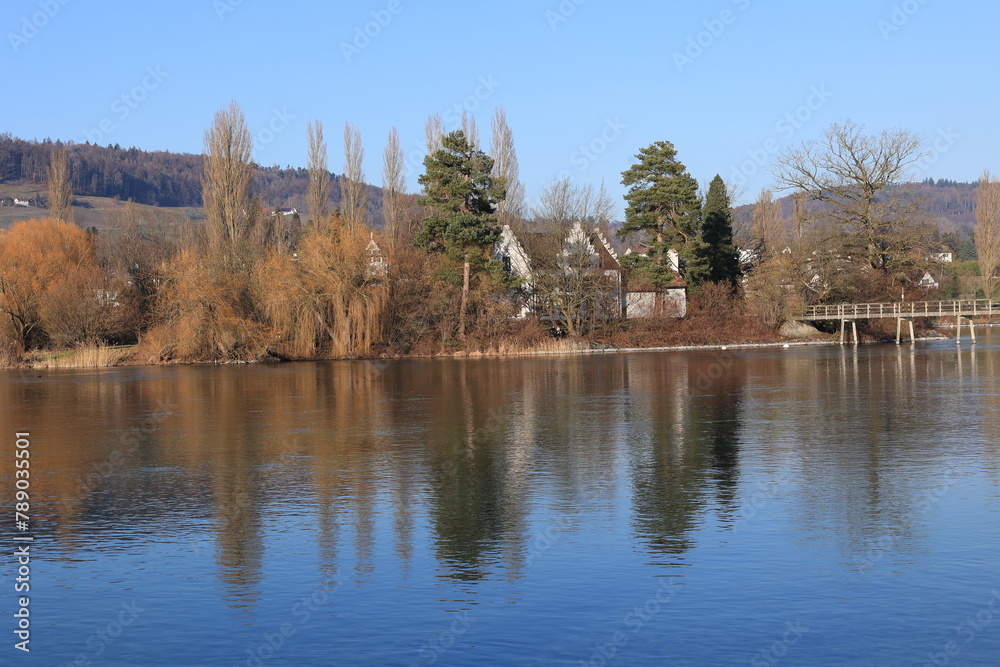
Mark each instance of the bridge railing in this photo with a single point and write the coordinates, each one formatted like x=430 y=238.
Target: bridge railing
x=966 y=307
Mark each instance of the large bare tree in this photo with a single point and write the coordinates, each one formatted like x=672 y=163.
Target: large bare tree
x=227 y=182
x=393 y=186
x=562 y=203
x=987 y=232
x=60 y=188
x=354 y=193
x=319 y=176
x=857 y=180
x=510 y=210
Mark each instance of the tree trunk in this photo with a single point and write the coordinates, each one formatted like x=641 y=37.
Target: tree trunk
x=465 y=299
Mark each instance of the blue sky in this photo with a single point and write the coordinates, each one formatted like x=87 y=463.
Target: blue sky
x=585 y=83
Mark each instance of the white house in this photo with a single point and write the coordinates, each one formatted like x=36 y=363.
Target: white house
x=928 y=282
x=635 y=298
x=377 y=266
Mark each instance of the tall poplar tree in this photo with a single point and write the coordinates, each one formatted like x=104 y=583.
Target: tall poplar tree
x=721 y=257
x=463 y=194
x=60 y=188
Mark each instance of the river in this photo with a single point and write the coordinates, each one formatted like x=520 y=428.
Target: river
x=806 y=506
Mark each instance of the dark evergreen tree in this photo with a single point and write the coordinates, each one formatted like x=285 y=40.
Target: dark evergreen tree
x=721 y=259
x=663 y=204
x=463 y=194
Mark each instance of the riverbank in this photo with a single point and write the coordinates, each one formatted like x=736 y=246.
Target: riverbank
x=101 y=357
x=104 y=356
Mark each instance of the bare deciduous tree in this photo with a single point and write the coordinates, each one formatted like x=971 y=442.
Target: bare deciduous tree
x=319 y=176
x=798 y=214
x=354 y=194
x=470 y=128
x=987 y=232
x=60 y=188
x=227 y=182
x=857 y=180
x=768 y=227
x=393 y=186
x=562 y=203
x=433 y=133
x=511 y=209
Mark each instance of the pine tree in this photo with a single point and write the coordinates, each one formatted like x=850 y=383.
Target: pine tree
x=463 y=194
x=721 y=257
x=663 y=203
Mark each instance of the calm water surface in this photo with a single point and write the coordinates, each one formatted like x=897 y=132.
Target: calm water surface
x=804 y=506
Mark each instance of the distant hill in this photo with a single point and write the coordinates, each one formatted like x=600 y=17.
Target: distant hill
x=951 y=205
x=157 y=178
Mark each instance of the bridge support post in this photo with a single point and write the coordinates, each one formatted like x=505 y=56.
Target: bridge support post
x=843 y=330
x=899 y=330
x=972 y=330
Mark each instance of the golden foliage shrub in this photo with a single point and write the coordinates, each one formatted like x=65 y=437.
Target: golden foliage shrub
x=329 y=299
x=52 y=288
x=205 y=312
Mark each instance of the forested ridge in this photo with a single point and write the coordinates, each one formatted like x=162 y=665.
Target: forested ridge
x=156 y=178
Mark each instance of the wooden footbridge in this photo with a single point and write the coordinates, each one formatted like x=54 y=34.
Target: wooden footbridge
x=905 y=311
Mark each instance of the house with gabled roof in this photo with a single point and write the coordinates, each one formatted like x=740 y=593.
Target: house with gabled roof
x=534 y=255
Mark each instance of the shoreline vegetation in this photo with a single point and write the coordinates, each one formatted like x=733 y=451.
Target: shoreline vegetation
x=107 y=356
x=469 y=269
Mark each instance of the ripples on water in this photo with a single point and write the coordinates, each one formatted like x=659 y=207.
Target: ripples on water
x=803 y=506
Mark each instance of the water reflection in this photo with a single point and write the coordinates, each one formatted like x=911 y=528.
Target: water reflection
x=381 y=463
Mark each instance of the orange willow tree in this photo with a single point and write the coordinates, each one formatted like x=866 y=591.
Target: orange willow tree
x=328 y=299
x=52 y=289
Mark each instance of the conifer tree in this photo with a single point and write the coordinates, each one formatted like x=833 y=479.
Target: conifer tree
x=463 y=194
x=663 y=203
x=721 y=257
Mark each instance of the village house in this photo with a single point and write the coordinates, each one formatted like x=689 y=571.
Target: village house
x=533 y=255
x=377 y=266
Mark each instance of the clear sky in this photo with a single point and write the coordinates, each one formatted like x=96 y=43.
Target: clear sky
x=586 y=83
